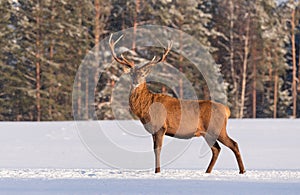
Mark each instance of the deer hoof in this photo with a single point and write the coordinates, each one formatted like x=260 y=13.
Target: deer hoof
x=157 y=170
x=243 y=171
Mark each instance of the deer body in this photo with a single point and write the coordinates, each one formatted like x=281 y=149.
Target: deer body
x=165 y=115
x=179 y=118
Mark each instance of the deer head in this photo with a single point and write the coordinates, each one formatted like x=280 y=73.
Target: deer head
x=138 y=73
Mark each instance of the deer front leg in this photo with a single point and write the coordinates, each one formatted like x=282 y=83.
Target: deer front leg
x=157 y=143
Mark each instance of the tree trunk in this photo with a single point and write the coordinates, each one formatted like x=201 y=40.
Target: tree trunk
x=78 y=89
x=269 y=87
x=97 y=22
x=254 y=92
x=254 y=83
x=86 y=112
x=79 y=96
x=97 y=45
x=294 y=84
x=254 y=68
x=135 y=22
x=83 y=86
x=231 y=59
x=245 y=63
x=51 y=55
x=38 y=65
x=275 y=93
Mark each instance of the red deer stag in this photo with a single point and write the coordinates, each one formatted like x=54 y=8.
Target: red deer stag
x=165 y=115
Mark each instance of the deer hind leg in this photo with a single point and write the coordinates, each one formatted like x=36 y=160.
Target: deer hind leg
x=157 y=143
x=215 y=148
x=230 y=143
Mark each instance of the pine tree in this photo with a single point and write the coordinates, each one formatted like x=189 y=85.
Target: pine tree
x=289 y=14
x=275 y=38
x=245 y=48
x=6 y=64
x=52 y=39
x=90 y=83
x=194 y=18
x=234 y=24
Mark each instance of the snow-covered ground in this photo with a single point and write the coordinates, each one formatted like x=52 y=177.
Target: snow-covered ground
x=55 y=157
x=104 y=181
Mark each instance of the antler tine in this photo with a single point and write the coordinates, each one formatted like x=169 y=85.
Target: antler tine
x=153 y=61
x=122 y=61
x=163 y=58
x=126 y=61
x=167 y=50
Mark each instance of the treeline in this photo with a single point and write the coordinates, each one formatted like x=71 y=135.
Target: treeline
x=255 y=42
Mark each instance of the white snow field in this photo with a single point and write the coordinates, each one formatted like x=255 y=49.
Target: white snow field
x=56 y=158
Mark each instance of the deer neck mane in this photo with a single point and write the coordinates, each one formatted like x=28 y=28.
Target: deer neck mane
x=140 y=100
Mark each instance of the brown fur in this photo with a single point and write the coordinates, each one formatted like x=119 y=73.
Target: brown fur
x=182 y=119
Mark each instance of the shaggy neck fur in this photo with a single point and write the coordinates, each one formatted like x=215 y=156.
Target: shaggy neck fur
x=140 y=100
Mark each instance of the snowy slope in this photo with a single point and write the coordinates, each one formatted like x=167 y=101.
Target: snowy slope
x=264 y=144
x=52 y=157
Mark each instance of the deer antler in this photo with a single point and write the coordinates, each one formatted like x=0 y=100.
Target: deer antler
x=123 y=60
x=167 y=50
x=163 y=57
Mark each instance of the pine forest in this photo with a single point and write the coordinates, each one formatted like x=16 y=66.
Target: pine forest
x=255 y=44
